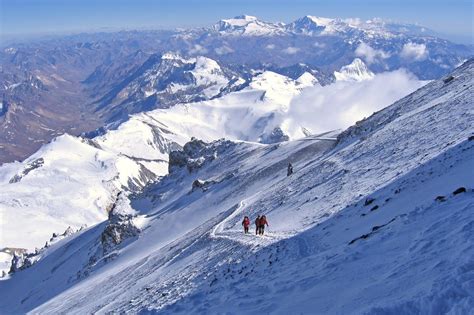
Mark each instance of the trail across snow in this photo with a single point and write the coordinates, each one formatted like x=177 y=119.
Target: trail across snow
x=226 y=229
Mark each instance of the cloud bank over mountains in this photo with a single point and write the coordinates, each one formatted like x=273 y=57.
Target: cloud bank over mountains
x=342 y=103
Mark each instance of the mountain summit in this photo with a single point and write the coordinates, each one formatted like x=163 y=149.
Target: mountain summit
x=356 y=71
x=247 y=25
x=311 y=25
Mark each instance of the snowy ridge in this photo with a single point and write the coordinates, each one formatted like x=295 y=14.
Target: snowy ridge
x=399 y=182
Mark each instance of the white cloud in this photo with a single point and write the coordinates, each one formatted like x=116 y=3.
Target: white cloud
x=353 y=21
x=414 y=51
x=319 y=45
x=370 y=54
x=291 y=50
x=270 y=46
x=341 y=104
x=223 y=50
x=197 y=50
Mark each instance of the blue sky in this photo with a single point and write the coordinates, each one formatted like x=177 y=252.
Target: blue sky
x=19 y=17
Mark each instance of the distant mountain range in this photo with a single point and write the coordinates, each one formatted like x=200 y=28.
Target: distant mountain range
x=247 y=25
x=87 y=83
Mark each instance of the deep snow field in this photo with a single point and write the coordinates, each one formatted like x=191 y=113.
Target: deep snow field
x=377 y=219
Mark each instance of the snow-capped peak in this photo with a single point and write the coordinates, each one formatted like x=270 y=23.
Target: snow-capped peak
x=313 y=25
x=356 y=71
x=307 y=79
x=206 y=63
x=207 y=72
x=268 y=79
x=321 y=21
x=247 y=25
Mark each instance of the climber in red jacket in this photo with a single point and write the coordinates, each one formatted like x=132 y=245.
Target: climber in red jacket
x=246 y=224
x=262 y=222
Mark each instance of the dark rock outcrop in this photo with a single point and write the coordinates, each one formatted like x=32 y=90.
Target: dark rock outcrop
x=459 y=191
x=368 y=201
x=277 y=135
x=197 y=153
x=29 y=167
x=119 y=228
x=440 y=198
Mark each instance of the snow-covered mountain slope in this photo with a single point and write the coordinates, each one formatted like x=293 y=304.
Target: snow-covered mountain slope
x=403 y=252
x=165 y=80
x=380 y=221
x=356 y=71
x=267 y=111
